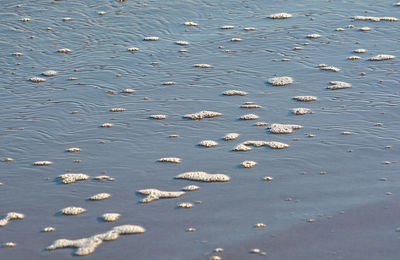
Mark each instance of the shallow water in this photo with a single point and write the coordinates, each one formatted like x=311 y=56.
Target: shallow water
x=36 y=122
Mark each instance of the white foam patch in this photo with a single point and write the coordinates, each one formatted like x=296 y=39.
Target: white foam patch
x=69 y=178
x=155 y=194
x=10 y=216
x=203 y=176
x=86 y=246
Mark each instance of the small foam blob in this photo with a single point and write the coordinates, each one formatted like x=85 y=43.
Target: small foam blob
x=280 y=81
x=255 y=251
x=360 y=51
x=236 y=40
x=169 y=83
x=158 y=117
x=37 y=79
x=314 y=36
x=110 y=217
x=227 y=27
x=249 y=164
x=64 y=50
x=104 y=178
x=203 y=176
x=9 y=244
x=330 y=68
x=151 y=38
x=250 y=105
x=338 y=85
x=191 y=188
x=215 y=257
x=170 y=159
x=283 y=128
x=260 y=225
x=270 y=144
x=261 y=123
x=208 y=143
x=365 y=29
x=202 y=114
x=155 y=194
x=191 y=229
x=249 y=117
x=117 y=109
x=374 y=18
x=72 y=210
x=100 y=196
x=190 y=23
x=49 y=73
x=301 y=111
x=305 y=98
x=353 y=57
x=128 y=91
x=133 y=49
x=241 y=148
x=42 y=163
x=202 y=65
x=74 y=150
x=49 y=229
x=183 y=43
x=249 y=29
x=280 y=16
x=381 y=57
x=185 y=205
x=106 y=125
x=69 y=178
x=231 y=136
x=234 y=93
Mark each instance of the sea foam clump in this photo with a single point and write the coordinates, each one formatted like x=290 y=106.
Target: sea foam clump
x=155 y=194
x=338 y=85
x=305 y=98
x=49 y=73
x=234 y=93
x=203 y=176
x=110 y=217
x=69 y=178
x=42 y=163
x=280 y=81
x=72 y=210
x=283 y=128
x=301 y=111
x=100 y=196
x=10 y=216
x=271 y=144
x=231 y=136
x=249 y=117
x=202 y=65
x=37 y=79
x=170 y=159
x=86 y=246
x=280 y=16
x=202 y=114
x=382 y=57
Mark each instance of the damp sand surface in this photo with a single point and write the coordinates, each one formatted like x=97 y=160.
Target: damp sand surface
x=326 y=174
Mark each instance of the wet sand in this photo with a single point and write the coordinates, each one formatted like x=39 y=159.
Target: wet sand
x=367 y=232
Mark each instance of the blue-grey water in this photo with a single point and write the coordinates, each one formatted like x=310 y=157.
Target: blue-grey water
x=37 y=123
